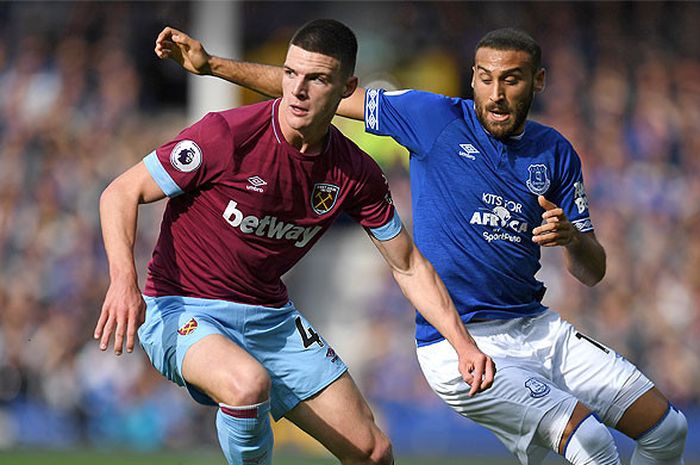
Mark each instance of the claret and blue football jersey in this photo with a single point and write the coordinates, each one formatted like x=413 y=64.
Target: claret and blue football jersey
x=245 y=205
x=475 y=202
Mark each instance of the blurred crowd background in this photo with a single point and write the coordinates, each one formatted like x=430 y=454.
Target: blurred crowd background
x=82 y=97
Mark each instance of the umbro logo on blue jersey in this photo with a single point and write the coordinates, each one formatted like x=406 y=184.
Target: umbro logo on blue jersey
x=468 y=151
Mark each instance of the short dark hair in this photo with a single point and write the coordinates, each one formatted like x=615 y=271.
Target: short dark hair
x=509 y=38
x=329 y=37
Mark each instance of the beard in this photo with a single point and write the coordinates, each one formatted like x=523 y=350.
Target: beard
x=510 y=127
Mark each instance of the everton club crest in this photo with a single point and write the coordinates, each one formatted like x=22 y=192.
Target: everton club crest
x=538 y=182
x=323 y=197
x=537 y=388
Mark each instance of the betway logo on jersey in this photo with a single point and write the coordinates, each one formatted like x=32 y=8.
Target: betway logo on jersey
x=502 y=217
x=269 y=226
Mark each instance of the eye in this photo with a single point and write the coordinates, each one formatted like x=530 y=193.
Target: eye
x=288 y=72
x=486 y=80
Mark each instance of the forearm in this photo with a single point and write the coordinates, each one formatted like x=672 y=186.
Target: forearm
x=265 y=79
x=118 y=217
x=427 y=293
x=585 y=259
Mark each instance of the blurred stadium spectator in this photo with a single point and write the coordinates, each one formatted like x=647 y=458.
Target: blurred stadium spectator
x=82 y=97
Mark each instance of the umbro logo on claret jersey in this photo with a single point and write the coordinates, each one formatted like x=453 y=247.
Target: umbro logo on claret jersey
x=256 y=183
x=468 y=151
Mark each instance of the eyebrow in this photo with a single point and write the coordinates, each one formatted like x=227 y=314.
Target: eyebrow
x=517 y=69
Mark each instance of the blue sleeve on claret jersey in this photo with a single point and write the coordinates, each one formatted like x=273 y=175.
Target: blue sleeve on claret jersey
x=413 y=118
x=389 y=230
x=570 y=193
x=161 y=176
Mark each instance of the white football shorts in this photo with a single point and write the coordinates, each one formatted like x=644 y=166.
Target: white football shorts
x=542 y=363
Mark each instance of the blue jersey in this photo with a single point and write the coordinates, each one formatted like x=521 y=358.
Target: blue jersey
x=474 y=200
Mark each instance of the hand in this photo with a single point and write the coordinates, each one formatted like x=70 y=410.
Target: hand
x=184 y=50
x=556 y=230
x=122 y=313
x=477 y=369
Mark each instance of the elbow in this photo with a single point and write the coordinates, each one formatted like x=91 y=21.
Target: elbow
x=594 y=278
x=597 y=273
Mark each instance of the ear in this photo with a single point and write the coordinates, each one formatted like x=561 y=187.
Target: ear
x=540 y=80
x=350 y=86
x=473 y=76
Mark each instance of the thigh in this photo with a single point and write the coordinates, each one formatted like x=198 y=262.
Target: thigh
x=300 y=361
x=647 y=411
x=599 y=377
x=340 y=419
x=219 y=368
x=512 y=408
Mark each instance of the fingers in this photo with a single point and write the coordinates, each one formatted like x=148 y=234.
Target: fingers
x=477 y=374
x=119 y=334
x=107 y=332
x=489 y=374
x=99 y=327
x=544 y=203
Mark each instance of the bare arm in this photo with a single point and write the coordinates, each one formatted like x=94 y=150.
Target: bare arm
x=123 y=309
x=585 y=256
x=264 y=79
x=425 y=290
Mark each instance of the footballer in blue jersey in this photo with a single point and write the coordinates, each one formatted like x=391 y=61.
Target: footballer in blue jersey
x=475 y=199
x=489 y=188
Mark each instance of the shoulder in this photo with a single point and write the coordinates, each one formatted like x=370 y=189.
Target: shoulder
x=348 y=154
x=548 y=137
x=247 y=120
x=416 y=97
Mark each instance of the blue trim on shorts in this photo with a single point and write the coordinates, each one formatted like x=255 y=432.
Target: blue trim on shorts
x=389 y=230
x=160 y=176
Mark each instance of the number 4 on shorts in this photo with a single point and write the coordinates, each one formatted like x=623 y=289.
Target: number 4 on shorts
x=308 y=338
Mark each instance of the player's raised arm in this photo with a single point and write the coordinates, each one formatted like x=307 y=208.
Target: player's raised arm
x=425 y=290
x=123 y=310
x=265 y=79
x=585 y=256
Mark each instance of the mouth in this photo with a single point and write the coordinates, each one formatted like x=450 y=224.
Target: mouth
x=499 y=115
x=297 y=110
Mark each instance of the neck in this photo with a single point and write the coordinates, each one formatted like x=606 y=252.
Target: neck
x=308 y=140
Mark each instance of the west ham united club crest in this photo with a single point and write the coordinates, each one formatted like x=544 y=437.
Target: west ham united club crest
x=188 y=327
x=323 y=197
x=538 y=182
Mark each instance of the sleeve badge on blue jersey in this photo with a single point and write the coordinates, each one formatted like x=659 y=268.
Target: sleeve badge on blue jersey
x=538 y=182
x=580 y=198
x=186 y=156
x=323 y=197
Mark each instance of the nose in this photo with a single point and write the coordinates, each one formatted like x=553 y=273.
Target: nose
x=299 y=88
x=497 y=91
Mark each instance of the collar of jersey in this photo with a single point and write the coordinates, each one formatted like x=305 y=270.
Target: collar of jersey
x=279 y=137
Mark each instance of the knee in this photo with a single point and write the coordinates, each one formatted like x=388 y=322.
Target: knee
x=666 y=440
x=591 y=442
x=246 y=386
x=378 y=451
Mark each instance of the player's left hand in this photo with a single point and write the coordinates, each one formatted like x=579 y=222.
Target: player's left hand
x=556 y=230
x=477 y=369
x=184 y=50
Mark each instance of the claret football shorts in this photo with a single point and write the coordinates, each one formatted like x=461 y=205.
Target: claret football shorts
x=300 y=362
x=542 y=363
